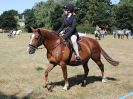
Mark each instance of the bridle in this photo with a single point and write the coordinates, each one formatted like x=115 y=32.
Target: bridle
x=39 y=39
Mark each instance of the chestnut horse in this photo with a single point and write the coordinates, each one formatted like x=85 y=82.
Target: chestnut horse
x=58 y=53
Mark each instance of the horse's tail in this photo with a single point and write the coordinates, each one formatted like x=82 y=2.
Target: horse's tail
x=109 y=59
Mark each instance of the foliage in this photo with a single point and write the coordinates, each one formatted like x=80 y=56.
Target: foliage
x=42 y=12
x=9 y=20
x=81 y=10
x=103 y=14
x=56 y=17
x=29 y=19
x=123 y=14
x=93 y=12
x=89 y=14
x=84 y=28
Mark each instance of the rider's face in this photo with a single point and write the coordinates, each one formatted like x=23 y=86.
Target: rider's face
x=66 y=11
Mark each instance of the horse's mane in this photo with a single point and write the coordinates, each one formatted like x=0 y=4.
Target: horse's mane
x=50 y=32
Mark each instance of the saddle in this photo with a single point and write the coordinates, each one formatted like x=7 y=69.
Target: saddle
x=70 y=46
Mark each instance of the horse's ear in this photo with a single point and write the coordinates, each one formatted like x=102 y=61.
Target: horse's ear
x=32 y=29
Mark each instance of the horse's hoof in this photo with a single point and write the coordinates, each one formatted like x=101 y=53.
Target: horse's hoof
x=49 y=88
x=65 y=88
x=104 y=81
x=45 y=86
x=83 y=84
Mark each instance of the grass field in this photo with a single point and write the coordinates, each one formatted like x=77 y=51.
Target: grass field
x=22 y=75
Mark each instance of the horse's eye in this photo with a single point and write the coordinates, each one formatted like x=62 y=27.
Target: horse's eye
x=36 y=37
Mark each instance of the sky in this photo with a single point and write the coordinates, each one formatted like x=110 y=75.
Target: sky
x=18 y=5
x=21 y=5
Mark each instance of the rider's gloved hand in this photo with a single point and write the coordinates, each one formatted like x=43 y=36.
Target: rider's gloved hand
x=65 y=37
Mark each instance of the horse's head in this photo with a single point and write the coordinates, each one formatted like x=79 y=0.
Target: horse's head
x=36 y=40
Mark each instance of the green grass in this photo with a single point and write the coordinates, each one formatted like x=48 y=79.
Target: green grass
x=22 y=75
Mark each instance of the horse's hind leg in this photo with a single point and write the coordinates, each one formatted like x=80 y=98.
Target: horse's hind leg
x=101 y=66
x=86 y=71
x=97 y=59
x=64 y=70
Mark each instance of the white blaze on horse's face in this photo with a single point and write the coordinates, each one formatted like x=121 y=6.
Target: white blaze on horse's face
x=31 y=40
x=32 y=37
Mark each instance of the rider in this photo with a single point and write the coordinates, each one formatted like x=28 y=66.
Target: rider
x=98 y=28
x=68 y=28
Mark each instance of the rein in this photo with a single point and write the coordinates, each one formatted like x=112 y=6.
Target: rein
x=40 y=38
x=58 y=42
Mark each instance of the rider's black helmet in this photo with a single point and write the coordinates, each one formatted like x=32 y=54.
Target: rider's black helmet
x=69 y=7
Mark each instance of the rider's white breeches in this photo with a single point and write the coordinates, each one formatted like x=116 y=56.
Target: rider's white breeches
x=75 y=45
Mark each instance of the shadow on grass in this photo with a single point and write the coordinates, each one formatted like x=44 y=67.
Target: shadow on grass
x=76 y=80
x=4 y=96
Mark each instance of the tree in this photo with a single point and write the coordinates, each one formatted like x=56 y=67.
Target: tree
x=29 y=19
x=81 y=10
x=123 y=14
x=102 y=16
x=9 y=20
x=45 y=11
x=125 y=1
x=62 y=2
x=55 y=17
x=42 y=12
x=94 y=12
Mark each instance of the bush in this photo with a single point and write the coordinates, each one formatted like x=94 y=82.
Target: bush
x=86 y=28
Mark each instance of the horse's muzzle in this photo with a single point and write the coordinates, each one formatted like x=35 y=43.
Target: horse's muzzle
x=31 y=50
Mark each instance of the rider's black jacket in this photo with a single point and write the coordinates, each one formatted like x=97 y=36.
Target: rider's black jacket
x=69 y=26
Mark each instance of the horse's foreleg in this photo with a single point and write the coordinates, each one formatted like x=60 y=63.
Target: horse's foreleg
x=118 y=36
x=49 y=68
x=99 y=36
x=127 y=36
x=86 y=70
x=64 y=70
